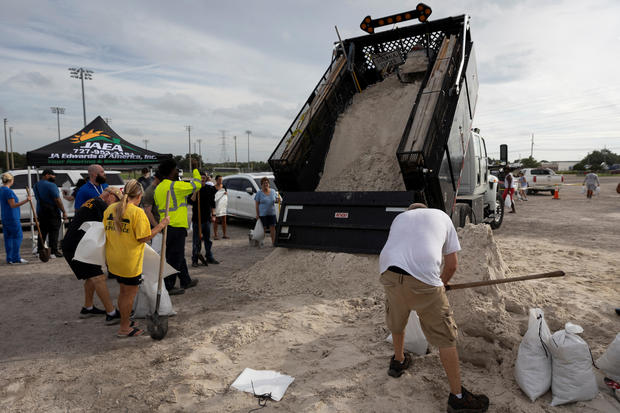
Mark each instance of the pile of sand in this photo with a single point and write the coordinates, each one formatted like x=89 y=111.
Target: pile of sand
x=491 y=320
x=362 y=153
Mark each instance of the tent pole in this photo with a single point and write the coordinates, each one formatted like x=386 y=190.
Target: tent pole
x=31 y=220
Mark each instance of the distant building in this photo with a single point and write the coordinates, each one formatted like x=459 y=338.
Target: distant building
x=560 y=165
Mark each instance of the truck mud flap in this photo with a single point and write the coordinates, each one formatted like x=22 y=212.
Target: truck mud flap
x=354 y=222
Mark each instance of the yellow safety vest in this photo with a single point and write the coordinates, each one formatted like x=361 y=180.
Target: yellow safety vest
x=179 y=190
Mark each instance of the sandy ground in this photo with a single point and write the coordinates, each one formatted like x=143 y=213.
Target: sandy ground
x=332 y=340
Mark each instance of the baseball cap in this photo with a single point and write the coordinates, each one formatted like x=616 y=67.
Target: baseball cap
x=115 y=191
x=47 y=172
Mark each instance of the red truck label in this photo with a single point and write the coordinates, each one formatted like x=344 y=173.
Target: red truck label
x=344 y=215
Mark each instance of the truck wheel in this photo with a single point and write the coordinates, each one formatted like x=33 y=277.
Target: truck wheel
x=465 y=214
x=499 y=212
x=552 y=192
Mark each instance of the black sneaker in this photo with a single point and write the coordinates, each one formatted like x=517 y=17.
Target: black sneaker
x=58 y=254
x=213 y=261
x=176 y=291
x=191 y=284
x=194 y=264
x=110 y=320
x=85 y=313
x=470 y=403
x=397 y=368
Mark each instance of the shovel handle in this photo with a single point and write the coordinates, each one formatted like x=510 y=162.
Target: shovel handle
x=504 y=280
x=34 y=215
x=162 y=257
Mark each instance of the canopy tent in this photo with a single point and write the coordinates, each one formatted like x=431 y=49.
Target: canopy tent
x=96 y=143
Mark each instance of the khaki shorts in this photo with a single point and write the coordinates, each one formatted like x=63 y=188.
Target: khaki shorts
x=404 y=294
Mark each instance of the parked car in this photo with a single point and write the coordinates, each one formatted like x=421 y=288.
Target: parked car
x=242 y=189
x=542 y=179
x=63 y=176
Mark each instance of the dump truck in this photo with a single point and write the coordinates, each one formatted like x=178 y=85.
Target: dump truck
x=443 y=161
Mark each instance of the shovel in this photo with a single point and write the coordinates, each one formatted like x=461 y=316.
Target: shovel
x=42 y=248
x=157 y=325
x=504 y=280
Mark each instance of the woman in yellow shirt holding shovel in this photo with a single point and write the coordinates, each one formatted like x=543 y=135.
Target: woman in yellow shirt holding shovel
x=127 y=228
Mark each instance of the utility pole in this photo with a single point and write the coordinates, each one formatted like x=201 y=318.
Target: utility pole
x=11 y=142
x=248 y=132
x=58 y=111
x=189 y=144
x=200 y=151
x=81 y=73
x=146 y=142
x=532 y=148
x=6 y=145
x=235 y=138
x=224 y=153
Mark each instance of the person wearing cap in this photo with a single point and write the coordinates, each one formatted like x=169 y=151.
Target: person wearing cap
x=93 y=187
x=177 y=230
x=49 y=206
x=93 y=276
x=148 y=200
x=11 y=223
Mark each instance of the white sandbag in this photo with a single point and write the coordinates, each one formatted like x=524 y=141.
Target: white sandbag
x=415 y=341
x=156 y=242
x=583 y=189
x=258 y=233
x=263 y=382
x=508 y=201
x=573 y=377
x=533 y=366
x=609 y=362
x=91 y=248
x=147 y=294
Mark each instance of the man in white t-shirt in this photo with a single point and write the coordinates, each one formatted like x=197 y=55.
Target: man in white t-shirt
x=411 y=274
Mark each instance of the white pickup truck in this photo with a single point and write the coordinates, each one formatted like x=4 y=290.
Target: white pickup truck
x=542 y=179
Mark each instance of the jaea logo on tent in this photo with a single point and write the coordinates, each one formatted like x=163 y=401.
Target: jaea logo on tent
x=112 y=144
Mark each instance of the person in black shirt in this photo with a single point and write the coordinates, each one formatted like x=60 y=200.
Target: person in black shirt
x=207 y=216
x=95 y=280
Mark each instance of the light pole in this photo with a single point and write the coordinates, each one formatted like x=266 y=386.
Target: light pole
x=200 y=151
x=6 y=145
x=58 y=111
x=11 y=143
x=235 y=138
x=248 y=132
x=146 y=142
x=81 y=73
x=189 y=149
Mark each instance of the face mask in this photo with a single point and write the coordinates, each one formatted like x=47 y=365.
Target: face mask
x=100 y=179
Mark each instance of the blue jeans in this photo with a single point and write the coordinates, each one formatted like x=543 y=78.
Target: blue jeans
x=12 y=241
x=206 y=237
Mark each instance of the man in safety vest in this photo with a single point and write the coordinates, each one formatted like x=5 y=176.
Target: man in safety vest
x=177 y=229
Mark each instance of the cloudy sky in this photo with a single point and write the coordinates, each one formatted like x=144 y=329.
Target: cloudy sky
x=548 y=68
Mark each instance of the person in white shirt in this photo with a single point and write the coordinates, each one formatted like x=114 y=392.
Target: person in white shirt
x=413 y=279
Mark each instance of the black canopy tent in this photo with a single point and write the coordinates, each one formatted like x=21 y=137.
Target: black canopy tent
x=96 y=143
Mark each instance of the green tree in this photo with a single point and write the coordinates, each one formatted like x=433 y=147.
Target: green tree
x=595 y=159
x=529 y=162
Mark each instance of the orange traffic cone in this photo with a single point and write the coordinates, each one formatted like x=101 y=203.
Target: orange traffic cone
x=556 y=193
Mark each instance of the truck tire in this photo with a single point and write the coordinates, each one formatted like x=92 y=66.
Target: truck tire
x=552 y=192
x=499 y=213
x=465 y=214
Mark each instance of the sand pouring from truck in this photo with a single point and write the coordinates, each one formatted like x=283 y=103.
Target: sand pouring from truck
x=441 y=159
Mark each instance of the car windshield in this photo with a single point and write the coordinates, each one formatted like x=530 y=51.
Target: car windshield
x=272 y=183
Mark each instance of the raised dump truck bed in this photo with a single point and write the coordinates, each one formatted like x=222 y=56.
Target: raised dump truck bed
x=431 y=153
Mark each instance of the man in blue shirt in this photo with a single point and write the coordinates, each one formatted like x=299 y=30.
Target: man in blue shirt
x=49 y=206
x=93 y=188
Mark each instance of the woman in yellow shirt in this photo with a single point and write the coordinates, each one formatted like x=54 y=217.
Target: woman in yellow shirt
x=127 y=228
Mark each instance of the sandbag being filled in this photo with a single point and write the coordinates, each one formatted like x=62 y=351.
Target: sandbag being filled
x=533 y=366
x=415 y=341
x=573 y=377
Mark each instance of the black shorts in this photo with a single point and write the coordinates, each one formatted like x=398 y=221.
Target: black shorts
x=268 y=221
x=82 y=270
x=137 y=280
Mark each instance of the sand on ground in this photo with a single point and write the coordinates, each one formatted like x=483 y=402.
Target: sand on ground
x=323 y=325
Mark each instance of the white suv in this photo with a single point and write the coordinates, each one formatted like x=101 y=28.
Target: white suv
x=241 y=191
x=113 y=178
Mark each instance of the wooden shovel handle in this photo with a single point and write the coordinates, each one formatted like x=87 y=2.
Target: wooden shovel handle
x=504 y=280
x=34 y=215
